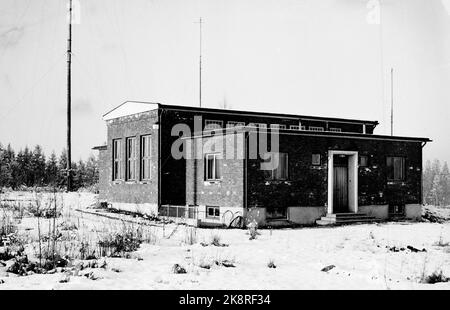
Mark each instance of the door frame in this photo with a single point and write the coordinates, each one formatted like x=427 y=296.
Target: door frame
x=352 y=179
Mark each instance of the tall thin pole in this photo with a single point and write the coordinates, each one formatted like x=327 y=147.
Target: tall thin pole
x=69 y=97
x=200 y=63
x=392 y=101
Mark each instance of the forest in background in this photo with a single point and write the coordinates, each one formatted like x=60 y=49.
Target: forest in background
x=32 y=168
x=436 y=183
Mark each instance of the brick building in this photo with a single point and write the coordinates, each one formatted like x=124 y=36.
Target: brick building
x=324 y=166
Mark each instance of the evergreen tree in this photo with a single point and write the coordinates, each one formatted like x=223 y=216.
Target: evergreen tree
x=436 y=190
x=24 y=175
x=51 y=170
x=445 y=185
x=91 y=171
x=37 y=166
x=79 y=176
x=62 y=168
x=3 y=168
x=10 y=164
x=427 y=181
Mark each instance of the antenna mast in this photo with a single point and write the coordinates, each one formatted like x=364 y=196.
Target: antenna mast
x=392 y=101
x=69 y=97
x=200 y=64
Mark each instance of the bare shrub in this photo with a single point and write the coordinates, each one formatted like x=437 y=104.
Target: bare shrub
x=435 y=277
x=271 y=264
x=7 y=224
x=22 y=266
x=441 y=242
x=178 y=269
x=215 y=239
x=253 y=230
x=128 y=239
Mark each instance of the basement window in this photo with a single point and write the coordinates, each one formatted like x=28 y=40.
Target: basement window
x=212 y=212
x=280 y=166
x=146 y=150
x=131 y=158
x=315 y=159
x=395 y=168
x=117 y=159
x=213 y=170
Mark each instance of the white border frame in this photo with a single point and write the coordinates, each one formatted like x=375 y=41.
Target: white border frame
x=353 y=176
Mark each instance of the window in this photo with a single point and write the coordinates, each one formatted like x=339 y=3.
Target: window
x=335 y=129
x=212 y=167
x=363 y=161
x=257 y=125
x=131 y=158
x=146 y=151
x=117 y=159
x=395 y=168
x=231 y=124
x=315 y=160
x=314 y=128
x=277 y=126
x=294 y=127
x=213 y=124
x=212 y=212
x=302 y=127
x=281 y=171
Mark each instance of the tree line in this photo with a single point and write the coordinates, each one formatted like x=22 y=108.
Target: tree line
x=31 y=168
x=436 y=183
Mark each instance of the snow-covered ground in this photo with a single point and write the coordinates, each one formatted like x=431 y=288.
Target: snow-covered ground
x=363 y=256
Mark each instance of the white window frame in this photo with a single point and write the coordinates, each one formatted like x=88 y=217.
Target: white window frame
x=213 y=124
x=316 y=128
x=403 y=168
x=117 y=158
x=146 y=160
x=215 y=208
x=294 y=127
x=130 y=159
x=214 y=168
x=231 y=124
x=277 y=126
x=333 y=129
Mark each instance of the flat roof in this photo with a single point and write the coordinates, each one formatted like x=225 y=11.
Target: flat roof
x=135 y=107
x=267 y=114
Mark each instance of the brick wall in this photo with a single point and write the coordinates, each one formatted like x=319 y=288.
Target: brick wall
x=227 y=193
x=307 y=184
x=133 y=192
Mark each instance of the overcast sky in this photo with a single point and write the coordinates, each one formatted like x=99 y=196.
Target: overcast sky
x=325 y=58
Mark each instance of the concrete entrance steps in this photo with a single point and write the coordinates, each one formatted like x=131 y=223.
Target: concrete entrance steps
x=345 y=218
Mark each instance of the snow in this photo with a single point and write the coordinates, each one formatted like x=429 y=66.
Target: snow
x=360 y=254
